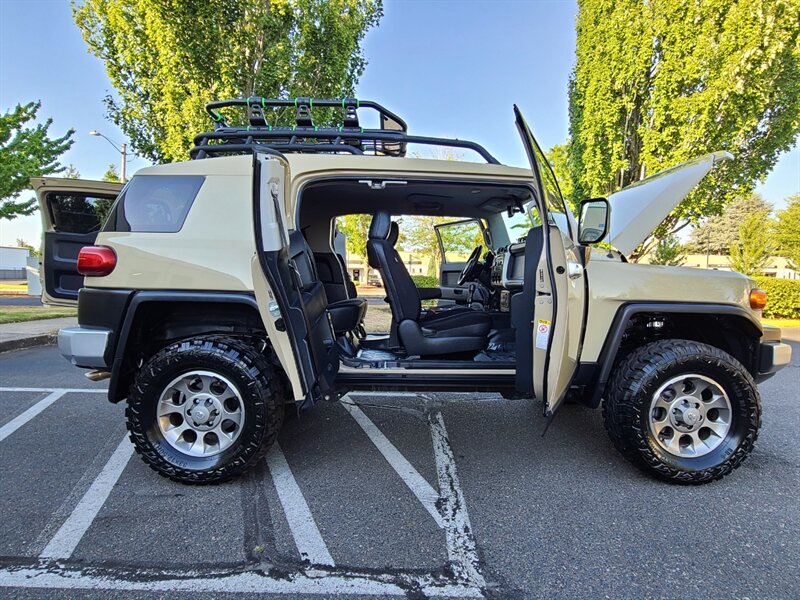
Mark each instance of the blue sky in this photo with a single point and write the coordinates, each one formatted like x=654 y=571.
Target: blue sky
x=451 y=69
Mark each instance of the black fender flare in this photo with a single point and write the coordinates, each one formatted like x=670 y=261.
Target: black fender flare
x=627 y=311
x=115 y=394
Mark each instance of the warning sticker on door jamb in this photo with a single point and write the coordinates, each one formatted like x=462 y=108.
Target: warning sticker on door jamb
x=542 y=334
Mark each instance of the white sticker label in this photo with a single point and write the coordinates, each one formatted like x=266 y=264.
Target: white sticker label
x=542 y=333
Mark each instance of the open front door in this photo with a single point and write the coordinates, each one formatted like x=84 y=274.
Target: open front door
x=73 y=211
x=560 y=291
x=457 y=240
x=290 y=296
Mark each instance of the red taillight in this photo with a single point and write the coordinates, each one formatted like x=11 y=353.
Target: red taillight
x=96 y=261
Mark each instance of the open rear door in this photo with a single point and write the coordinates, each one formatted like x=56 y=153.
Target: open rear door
x=560 y=292
x=290 y=296
x=73 y=212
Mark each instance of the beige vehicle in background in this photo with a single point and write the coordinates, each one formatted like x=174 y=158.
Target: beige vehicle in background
x=214 y=292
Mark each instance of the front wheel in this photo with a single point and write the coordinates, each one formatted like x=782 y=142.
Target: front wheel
x=685 y=411
x=204 y=410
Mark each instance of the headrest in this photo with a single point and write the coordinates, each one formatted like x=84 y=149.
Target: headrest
x=381 y=223
x=394 y=233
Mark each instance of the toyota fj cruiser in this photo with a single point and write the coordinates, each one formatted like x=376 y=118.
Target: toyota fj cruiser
x=216 y=292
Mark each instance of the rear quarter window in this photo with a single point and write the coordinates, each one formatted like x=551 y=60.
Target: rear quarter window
x=155 y=203
x=76 y=212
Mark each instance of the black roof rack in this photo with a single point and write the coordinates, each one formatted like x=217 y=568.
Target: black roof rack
x=390 y=139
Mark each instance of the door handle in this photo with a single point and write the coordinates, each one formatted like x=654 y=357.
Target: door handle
x=574 y=269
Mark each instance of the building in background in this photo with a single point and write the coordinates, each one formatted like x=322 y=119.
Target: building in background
x=776 y=267
x=361 y=273
x=13 y=262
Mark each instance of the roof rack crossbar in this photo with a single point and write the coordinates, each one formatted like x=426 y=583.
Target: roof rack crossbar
x=207 y=150
x=284 y=135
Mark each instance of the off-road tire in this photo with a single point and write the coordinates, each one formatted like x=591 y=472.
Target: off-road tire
x=628 y=400
x=237 y=360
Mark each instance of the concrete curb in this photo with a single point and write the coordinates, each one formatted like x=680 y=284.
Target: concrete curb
x=790 y=333
x=28 y=342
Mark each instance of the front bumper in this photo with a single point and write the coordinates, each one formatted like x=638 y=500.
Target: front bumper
x=773 y=356
x=84 y=347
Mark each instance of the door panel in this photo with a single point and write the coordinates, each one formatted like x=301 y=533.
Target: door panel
x=289 y=294
x=73 y=212
x=559 y=289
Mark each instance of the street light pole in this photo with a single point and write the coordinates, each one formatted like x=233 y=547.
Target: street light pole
x=123 y=151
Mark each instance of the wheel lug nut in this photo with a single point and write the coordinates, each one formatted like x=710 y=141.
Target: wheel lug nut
x=208 y=401
x=196 y=401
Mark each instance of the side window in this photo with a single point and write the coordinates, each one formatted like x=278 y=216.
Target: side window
x=459 y=239
x=78 y=213
x=155 y=203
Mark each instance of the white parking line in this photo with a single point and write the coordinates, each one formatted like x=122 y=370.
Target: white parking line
x=304 y=529
x=67 y=538
x=20 y=420
x=418 y=485
x=461 y=548
x=308 y=582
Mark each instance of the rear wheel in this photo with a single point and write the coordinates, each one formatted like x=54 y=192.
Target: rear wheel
x=685 y=411
x=205 y=410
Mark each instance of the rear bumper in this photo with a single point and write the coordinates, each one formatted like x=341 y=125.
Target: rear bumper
x=84 y=347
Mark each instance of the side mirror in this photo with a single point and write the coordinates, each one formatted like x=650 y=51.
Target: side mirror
x=594 y=222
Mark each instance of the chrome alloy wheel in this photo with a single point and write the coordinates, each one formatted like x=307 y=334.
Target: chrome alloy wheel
x=690 y=415
x=200 y=413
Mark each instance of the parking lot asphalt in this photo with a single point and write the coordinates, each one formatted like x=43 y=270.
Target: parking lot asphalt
x=446 y=495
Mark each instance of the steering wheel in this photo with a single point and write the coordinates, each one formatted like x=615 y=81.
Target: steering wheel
x=468 y=272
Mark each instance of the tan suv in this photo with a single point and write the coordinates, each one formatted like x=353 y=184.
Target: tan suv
x=216 y=292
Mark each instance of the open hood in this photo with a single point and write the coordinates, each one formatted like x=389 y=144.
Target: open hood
x=639 y=208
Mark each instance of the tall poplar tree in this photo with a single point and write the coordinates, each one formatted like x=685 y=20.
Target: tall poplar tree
x=657 y=82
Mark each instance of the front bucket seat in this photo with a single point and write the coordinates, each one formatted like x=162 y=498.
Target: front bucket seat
x=424 y=335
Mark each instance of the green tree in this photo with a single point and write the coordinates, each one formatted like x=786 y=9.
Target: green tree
x=168 y=58
x=26 y=151
x=787 y=231
x=419 y=236
x=355 y=228
x=754 y=248
x=71 y=172
x=657 y=83
x=718 y=233
x=668 y=252
x=111 y=174
x=31 y=250
x=558 y=156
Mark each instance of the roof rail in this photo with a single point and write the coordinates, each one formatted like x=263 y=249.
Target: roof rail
x=391 y=139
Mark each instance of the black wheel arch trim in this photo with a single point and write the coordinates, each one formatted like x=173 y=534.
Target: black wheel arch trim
x=164 y=297
x=624 y=314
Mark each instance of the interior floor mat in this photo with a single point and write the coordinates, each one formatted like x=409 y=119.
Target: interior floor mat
x=373 y=355
x=490 y=355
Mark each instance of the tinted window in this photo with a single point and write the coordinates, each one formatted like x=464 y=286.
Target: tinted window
x=155 y=203
x=78 y=213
